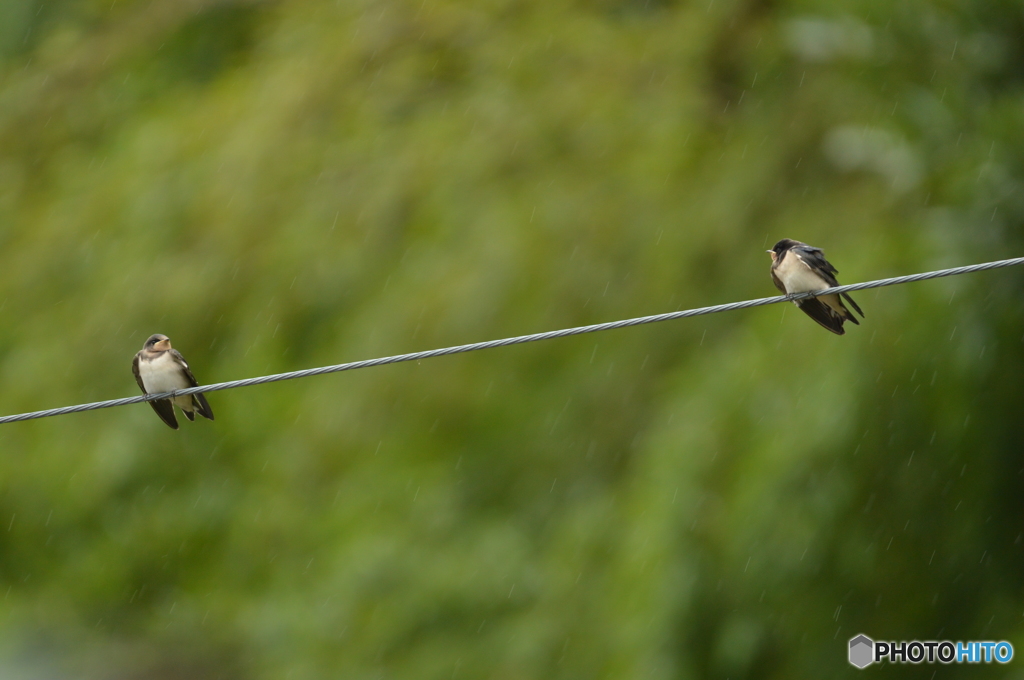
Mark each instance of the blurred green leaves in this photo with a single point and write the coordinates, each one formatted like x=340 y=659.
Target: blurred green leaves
x=278 y=185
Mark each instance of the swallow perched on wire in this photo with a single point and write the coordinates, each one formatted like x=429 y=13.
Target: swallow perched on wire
x=798 y=268
x=158 y=368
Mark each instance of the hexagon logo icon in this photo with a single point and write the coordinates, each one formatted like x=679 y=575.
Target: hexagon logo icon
x=862 y=651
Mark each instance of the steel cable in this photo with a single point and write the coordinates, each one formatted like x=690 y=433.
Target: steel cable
x=517 y=340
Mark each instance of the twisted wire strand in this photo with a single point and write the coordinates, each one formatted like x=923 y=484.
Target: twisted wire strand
x=517 y=340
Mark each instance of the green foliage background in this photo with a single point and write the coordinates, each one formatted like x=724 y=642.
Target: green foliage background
x=285 y=184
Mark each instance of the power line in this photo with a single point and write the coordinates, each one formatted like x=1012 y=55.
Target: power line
x=519 y=339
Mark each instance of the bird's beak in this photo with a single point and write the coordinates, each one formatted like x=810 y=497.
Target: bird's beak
x=769 y=251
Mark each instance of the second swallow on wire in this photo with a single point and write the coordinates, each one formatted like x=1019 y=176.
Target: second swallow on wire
x=159 y=368
x=799 y=268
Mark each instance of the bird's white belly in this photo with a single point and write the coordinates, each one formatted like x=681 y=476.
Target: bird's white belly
x=165 y=375
x=797 y=277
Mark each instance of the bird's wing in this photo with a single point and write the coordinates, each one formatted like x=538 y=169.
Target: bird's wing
x=823 y=314
x=165 y=410
x=777 y=282
x=199 y=400
x=185 y=370
x=815 y=259
x=135 y=370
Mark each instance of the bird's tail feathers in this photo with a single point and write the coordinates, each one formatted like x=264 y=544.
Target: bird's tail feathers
x=855 y=306
x=202 y=406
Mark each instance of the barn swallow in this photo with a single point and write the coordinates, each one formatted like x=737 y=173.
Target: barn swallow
x=798 y=268
x=158 y=368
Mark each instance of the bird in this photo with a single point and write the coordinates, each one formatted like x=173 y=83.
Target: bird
x=159 y=368
x=797 y=268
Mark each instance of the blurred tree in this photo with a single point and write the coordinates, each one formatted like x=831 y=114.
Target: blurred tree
x=277 y=185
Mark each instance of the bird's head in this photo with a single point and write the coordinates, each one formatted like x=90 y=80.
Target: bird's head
x=157 y=343
x=779 y=249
